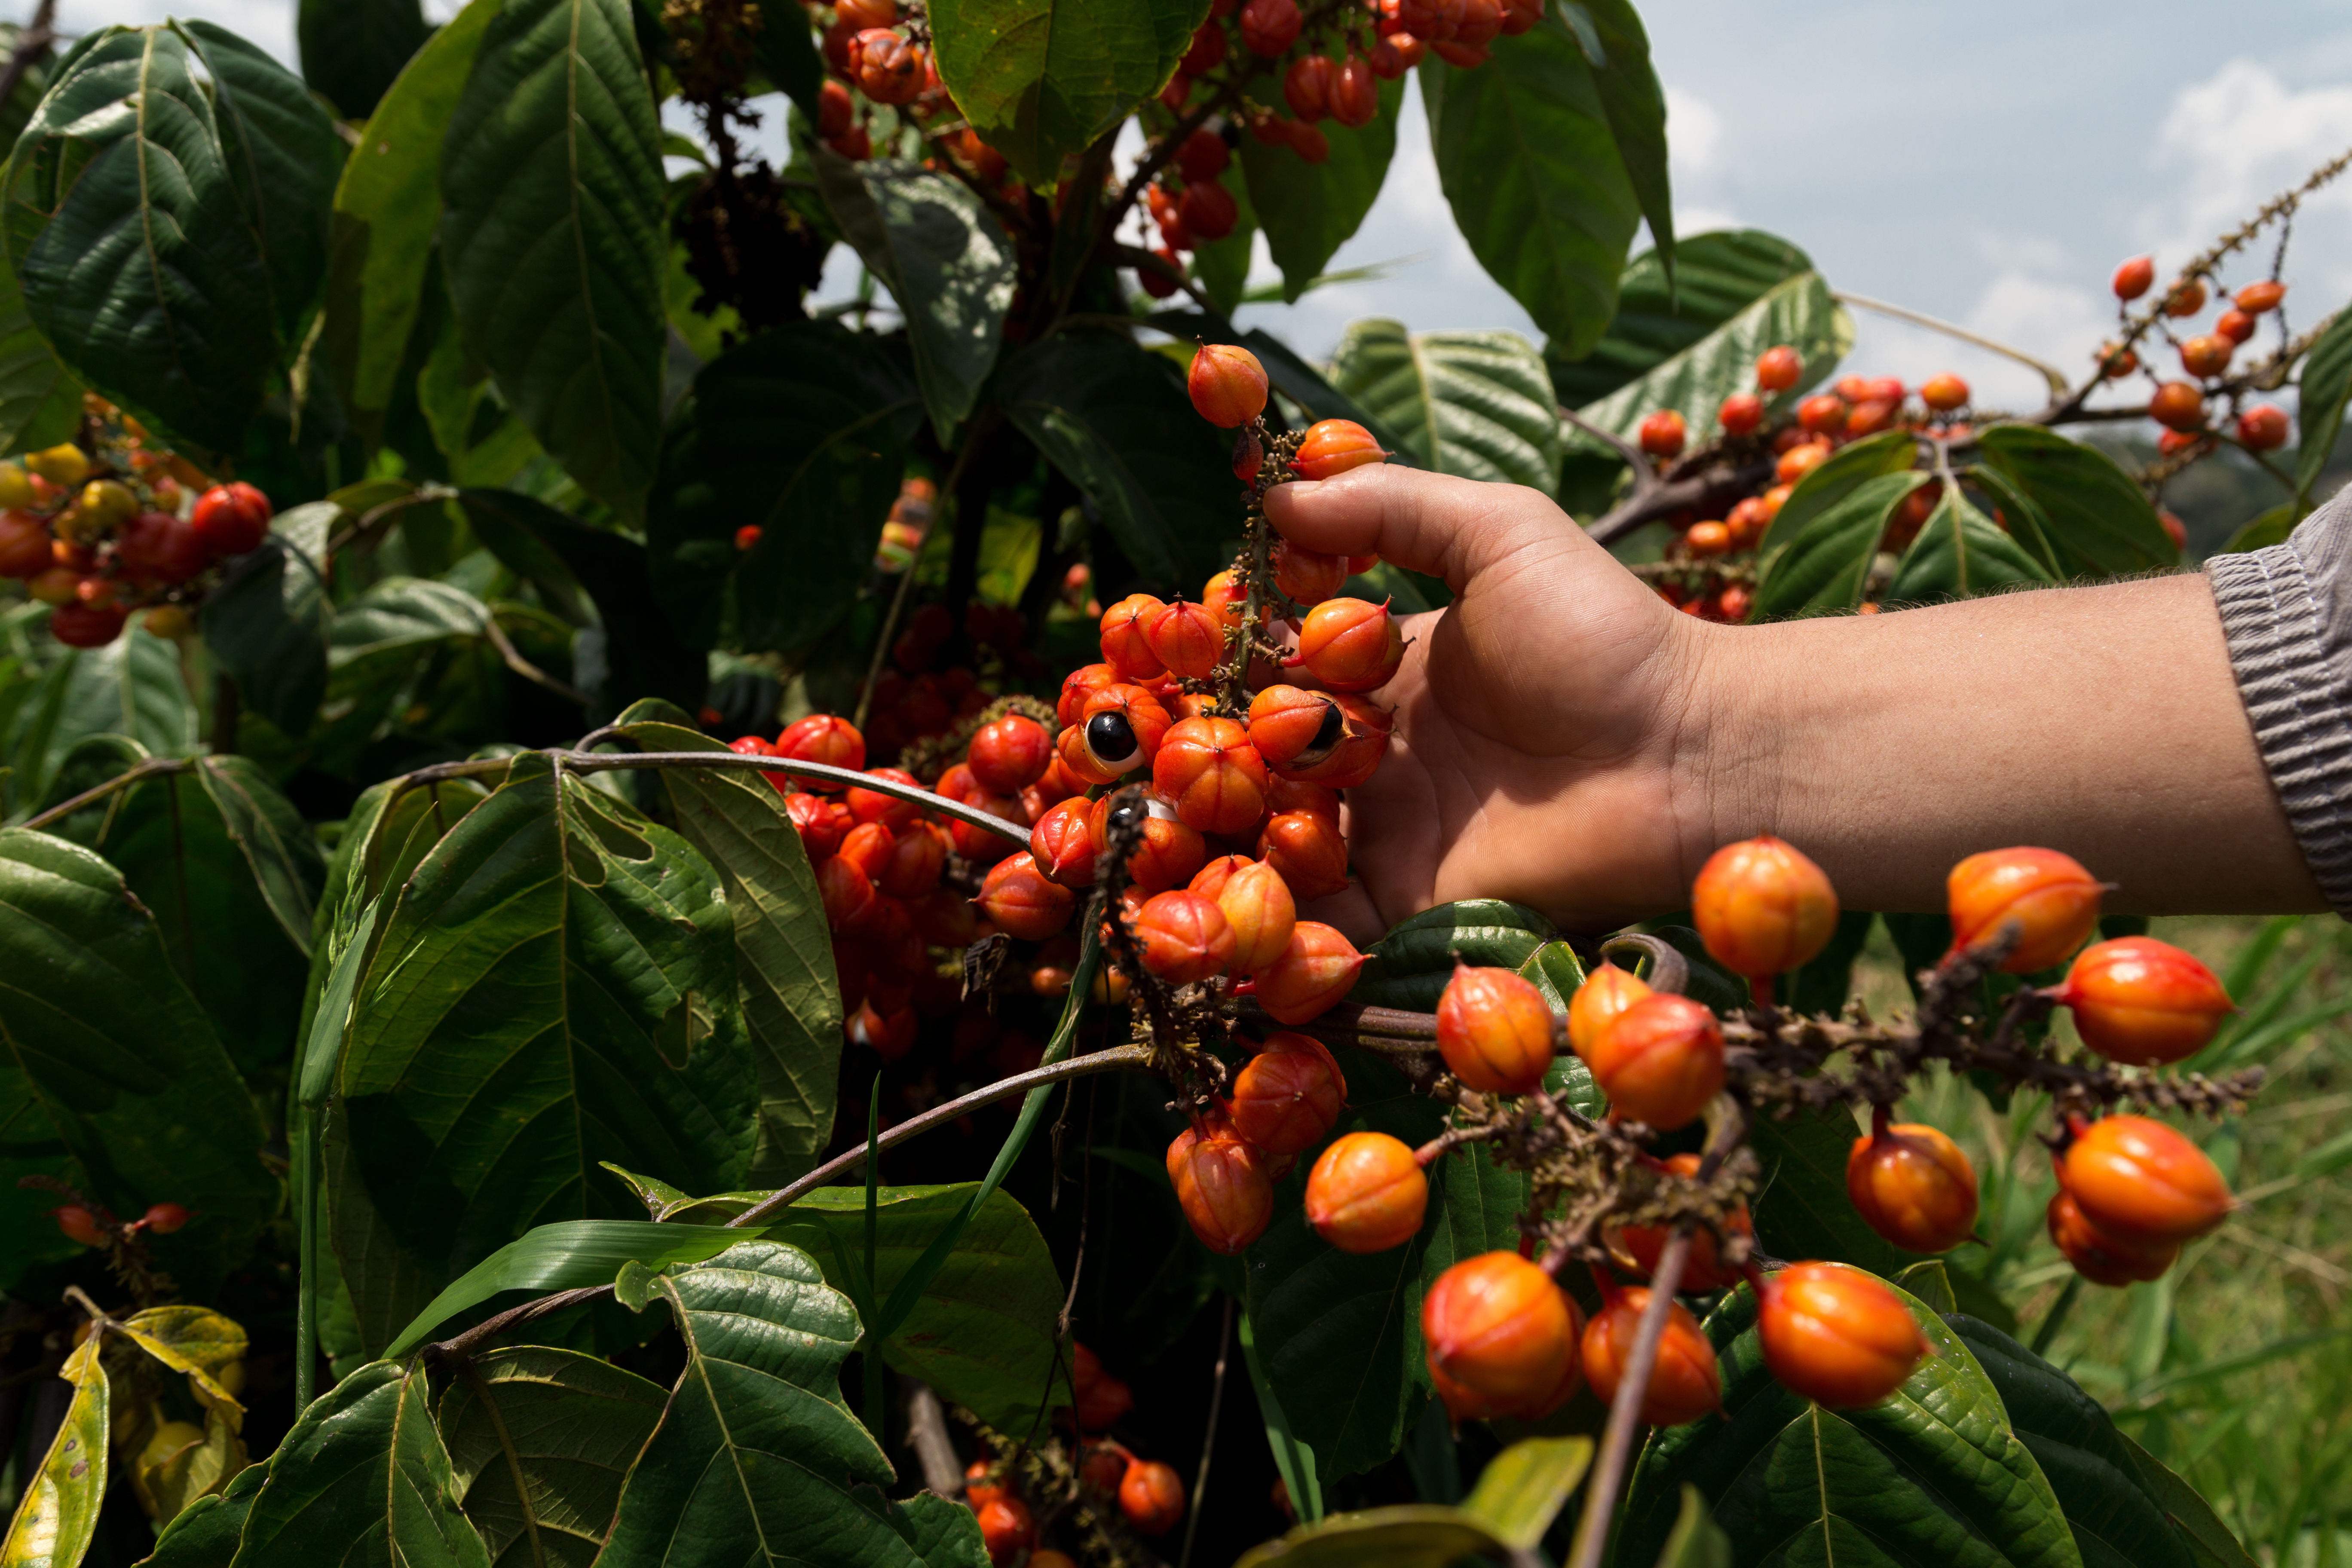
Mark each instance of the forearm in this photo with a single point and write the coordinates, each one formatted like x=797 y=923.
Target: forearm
x=2103 y=721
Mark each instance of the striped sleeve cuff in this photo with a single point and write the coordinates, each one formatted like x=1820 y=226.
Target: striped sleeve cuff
x=2284 y=612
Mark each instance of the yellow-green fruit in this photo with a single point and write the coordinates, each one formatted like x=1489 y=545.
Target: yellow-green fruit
x=168 y=621
x=108 y=502
x=168 y=1439
x=63 y=463
x=15 y=489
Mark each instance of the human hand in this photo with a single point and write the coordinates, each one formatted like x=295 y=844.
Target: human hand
x=1543 y=719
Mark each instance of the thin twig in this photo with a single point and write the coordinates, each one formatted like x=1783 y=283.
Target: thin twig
x=2049 y=372
x=31 y=45
x=926 y=1434
x=154 y=767
x=1625 y=1410
x=1208 y=1441
x=514 y=660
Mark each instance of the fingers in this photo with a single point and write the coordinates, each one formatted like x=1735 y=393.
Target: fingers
x=1446 y=527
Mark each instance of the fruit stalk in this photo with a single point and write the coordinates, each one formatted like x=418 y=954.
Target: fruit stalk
x=1625 y=1410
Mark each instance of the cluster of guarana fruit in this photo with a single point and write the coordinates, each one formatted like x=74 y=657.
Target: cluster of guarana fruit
x=108 y=524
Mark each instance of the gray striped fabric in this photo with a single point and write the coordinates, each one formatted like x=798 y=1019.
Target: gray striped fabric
x=2287 y=612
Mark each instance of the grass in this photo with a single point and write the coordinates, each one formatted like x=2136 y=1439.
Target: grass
x=2236 y=1368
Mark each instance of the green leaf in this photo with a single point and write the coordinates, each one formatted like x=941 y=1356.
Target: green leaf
x=2189 y=1511
x=353 y=49
x=229 y=868
x=2326 y=383
x=801 y=431
x=2117 y=1517
x=128 y=232
x=1476 y=404
x=107 y=1058
x=267 y=622
x=982 y=1330
x=643 y=653
x=387 y=208
x=1409 y=966
x=1339 y=1334
x=2265 y=529
x=284 y=156
x=756 y=1458
x=565 y=1256
x=784 y=980
x=1803 y=1209
x=131 y=687
x=1292 y=376
x=2096 y=517
x=1823 y=984
x=552 y=237
x=1115 y=418
x=1518 y=1495
x=1697 y=1540
x=539 y=1442
x=1959 y=553
x=1522 y=1489
x=40 y=402
x=945 y=259
x=193 y=1339
x=554 y=987
x=1933 y=1475
x=1636 y=105
x=1309 y=210
x=1221 y=267
x=1294 y=1459
x=1823 y=561
x=1694 y=380
x=363 y=1479
x=788 y=54
x=57 y=1515
x=1533 y=174
x=1040 y=79
x=1717 y=276
x=206 y=1534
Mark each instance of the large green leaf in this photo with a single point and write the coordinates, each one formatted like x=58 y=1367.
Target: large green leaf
x=363 y=1481
x=1933 y=1475
x=552 y=236
x=387 y=207
x=131 y=687
x=40 y=402
x=1519 y=1493
x=1309 y=210
x=1797 y=311
x=56 y=1512
x=1114 y=418
x=1338 y=1333
x=267 y=622
x=800 y=431
x=1635 y=103
x=2189 y=1513
x=128 y=232
x=283 y=156
x=784 y=979
x=1715 y=277
x=1476 y=404
x=1823 y=564
x=565 y=1256
x=642 y=653
x=554 y=987
x=2326 y=383
x=539 y=1442
x=1534 y=176
x=1409 y=966
x=205 y=1534
x=353 y=49
x=1959 y=553
x=109 y=1060
x=229 y=868
x=2094 y=515
x=945 y=259
x=756 y=1460
x=2117 y=1518
x=1040 y=79
x=982 y=1330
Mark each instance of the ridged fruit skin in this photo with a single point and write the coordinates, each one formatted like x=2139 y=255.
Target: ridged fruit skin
x=1062 y=845
x=2142 y=1183
x=1661 y=1062
x=822 y=737
x=1222 y=1184
x=1499 y=1329
x=1021 y=899
x=1152 y=1496
x=1010 y=754
x=1287 y=1096
x=1306 y=849
x=1285 y=723
x=1124 y=645
x=1313 y=973
x=1703 y=1269
x=2098 y=1257
x=1258 y=906
x=1606 y=992
x=1332 y=446
x=1183 y=936
x=1494 y=1030
x=1914 y=1186
x=1351 y=645
x=2142 y=1002
x=1835 y=1335
x=2054 y=900
x=1367 y=1194
x=1762 y=908
x=1209 y=771
x=1227 y=385
x=1363 y=741
x=1684 y=1385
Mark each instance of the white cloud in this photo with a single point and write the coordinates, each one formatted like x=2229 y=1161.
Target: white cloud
x=2231 y=143
x=1694 y=131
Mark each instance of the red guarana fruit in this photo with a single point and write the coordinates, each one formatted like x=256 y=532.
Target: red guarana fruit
x=24 y=545
x=1914 y=1186
x=1152 y=1496
x=2098 y=1257
x=1287 y=1097
x=2188 y=297
x=1307 y=576
x=1010 y=754
x=2256 y=298
x=1125 y=647
x=1355 y=93
x=2142 y=1183
x=891 y=810
x=1606 y=992
x=822 y=737
x=1270 y=26
x=1741 y=414
x=1367 y=1194
x=1835 y=1335
x=79 y=1225
x=1685 y=1383
x=157 y=547
x=1306 y=86
x=87 y=624
x=1500 y=1330
x=2050 y=898
x=1183 y=936
x=1022 y=901
x=1944 y=392
x=1306 y=850
x=1006 y=1530
x=233 y=519
x=1663 y=434
x=1223 y=1187
x=2263 y=426
x=1494 y=1030
x=1763 y=907
x=1187 y=638
x=2178 y=406
x=2142 y=1002
x=1660 y=1061
x=1351 y=645
x=1332 y=446
x=2134 y=276
x=1259 y=907
x=165 y=1218
x=1209 y=771
x=1316 y=970
x=1779 y=368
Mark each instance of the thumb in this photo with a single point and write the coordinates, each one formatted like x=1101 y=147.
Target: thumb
x=1436 y=524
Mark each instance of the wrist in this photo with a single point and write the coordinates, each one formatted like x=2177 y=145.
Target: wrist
x=1725 y=765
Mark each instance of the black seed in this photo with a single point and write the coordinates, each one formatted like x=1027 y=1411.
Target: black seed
x=1111 y=739
x=1328 y=733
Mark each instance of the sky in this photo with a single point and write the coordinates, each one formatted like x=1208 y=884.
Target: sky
x=1986 y=165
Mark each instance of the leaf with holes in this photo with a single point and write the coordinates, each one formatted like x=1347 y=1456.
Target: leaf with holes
x=539 y=1442
x=552 y=236
x=756 y=1460
x=1479 y=404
